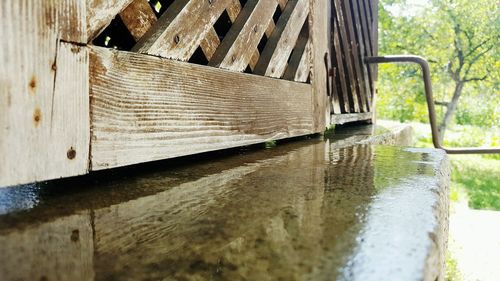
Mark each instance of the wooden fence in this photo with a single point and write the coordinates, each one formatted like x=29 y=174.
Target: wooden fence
x=96 y=84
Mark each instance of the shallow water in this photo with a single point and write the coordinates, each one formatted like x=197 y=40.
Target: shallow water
x=307 y=210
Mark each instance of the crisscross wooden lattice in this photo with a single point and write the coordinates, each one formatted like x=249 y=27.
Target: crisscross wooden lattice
x=263 y=37
x=354 y=37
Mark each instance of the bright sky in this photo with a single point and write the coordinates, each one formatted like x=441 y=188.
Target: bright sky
x=411 y=8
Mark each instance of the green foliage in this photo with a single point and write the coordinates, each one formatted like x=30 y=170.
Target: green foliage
x=480 y=178
x=432 y=32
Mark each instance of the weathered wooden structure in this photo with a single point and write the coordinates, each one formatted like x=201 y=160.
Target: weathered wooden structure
x=91 y=85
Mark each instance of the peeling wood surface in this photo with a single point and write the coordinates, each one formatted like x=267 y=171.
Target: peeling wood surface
x=100 y=13
x=139 y=18
x=44 y=124
x=146 y=108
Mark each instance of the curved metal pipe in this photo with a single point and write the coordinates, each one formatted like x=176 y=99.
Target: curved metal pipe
x=426 y=74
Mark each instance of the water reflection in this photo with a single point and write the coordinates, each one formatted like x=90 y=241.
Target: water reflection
x=300 y=211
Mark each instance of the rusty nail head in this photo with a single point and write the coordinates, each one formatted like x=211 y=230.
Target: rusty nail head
x=71 y=154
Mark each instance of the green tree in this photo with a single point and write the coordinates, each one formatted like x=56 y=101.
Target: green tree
x=459 y=38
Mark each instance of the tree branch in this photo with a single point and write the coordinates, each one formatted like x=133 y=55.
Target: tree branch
x=477 y=47
x=475 y=79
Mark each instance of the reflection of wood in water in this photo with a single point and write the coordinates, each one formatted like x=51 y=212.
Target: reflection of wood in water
x=229 y=224
x=279 y=217
x=57 y=250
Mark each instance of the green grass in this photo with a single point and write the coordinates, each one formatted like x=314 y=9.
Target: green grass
x=480 y=178
x=452 y=271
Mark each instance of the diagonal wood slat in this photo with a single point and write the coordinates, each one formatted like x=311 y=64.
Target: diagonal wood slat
x=180 y=30
x=304 y=68
x=299 y=54
x=237 y=48
x=273 y=59
x=138 y=17
x=100 y=13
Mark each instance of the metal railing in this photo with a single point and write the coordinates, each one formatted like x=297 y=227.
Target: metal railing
x=430 y=101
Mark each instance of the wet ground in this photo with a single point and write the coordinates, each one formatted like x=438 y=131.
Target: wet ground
x=311 y=209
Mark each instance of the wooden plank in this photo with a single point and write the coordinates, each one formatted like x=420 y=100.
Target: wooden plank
x=299 y=54
x=240 y=43
x=180 y=30
x=100 y=13
x=354 y=53
x=339 y=119
x=139 y=18
x=43 y=91
x=274 y=58
x=146 y=108
x=346 y=57
x=318 y=24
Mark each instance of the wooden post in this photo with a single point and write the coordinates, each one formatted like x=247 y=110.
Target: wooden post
x=319 y=19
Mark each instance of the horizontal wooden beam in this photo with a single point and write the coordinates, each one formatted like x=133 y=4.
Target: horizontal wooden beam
x=145 y=108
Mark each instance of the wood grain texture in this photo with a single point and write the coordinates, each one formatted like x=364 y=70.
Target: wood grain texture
x=304 y=68
x=299 y=54
x=240 y=43
x=43 y=91
x=346 y=56
x=146 y=108
x=354 y=53
x=180 y=30
x=356 y=15
x=318 y=24
x=139 y=18
x=210 y=43
x=274 y=57
x=100 y=13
